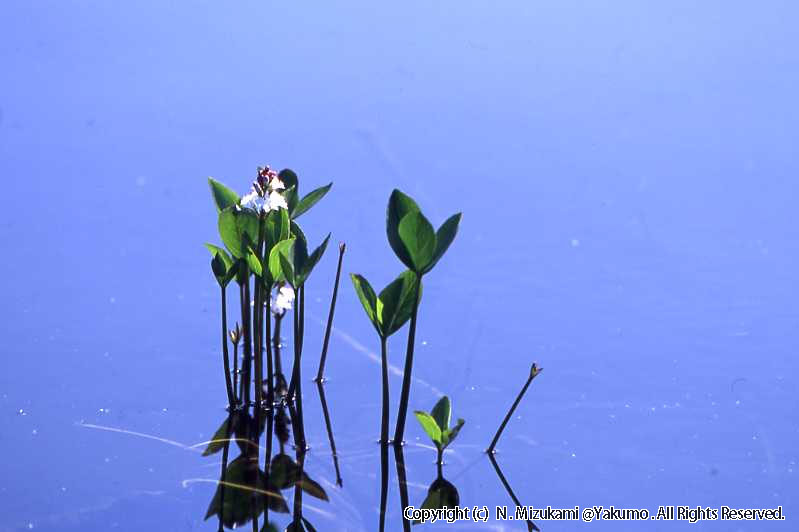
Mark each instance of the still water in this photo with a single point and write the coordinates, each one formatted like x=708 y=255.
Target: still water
x=627 y=176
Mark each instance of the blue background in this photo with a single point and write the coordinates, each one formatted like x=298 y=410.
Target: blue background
x=627 y=173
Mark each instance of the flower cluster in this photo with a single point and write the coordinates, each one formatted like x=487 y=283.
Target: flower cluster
x=283 y=300
x=265 y=192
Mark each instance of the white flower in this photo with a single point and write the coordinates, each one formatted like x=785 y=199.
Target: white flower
x=283 y=300
x=276 y=184
x=252 y=199
x=277 y=201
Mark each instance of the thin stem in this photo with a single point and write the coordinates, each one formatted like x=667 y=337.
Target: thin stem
x=329 y=427
x=533 y=374
x=270 y=397
x=440 y=462
x=323 y=358
x=402 y=481
x=383 y=485
x=231 y=398
x=406 y=377
x=299 y=334
x=384 y=370
x=506 y=484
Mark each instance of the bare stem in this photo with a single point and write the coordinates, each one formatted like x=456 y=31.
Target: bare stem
x=323 y=358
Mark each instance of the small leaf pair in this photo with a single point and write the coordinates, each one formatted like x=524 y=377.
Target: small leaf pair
x=412 y=236
x=297 y=206
x=436 y=423
x=389 y=310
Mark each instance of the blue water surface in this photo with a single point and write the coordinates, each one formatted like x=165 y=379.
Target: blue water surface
x=628 y=177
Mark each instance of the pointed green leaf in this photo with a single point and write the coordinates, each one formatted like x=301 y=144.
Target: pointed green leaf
x=312 y=260
x=399 y=205
x=429 y=425
x=397 y=302
x=441 y=494
x=220 y=437
x=284 y=247
x=442 y=412
x=218 y=267
x=367 y=297
x=223 y=196
x=419 y=239
x=444 y=237
x=276 y=228
x=287 y=268
x=238 y=229
x=254 y=263
x=222 y=253
x=449 y=435
x=310 y=200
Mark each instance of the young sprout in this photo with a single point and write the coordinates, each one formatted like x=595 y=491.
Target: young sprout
x=436 y=425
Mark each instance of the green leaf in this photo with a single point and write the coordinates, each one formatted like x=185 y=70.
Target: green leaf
x=367 y=297
x=442 y=412
x=399 y=205
x=288 y=270
x=449 y=435
x=310 y=200
x=223 y=196
x=429 y=425
x=239 y=502
x=281 y=249
x=276 y=228
x=397 y=302
x=254 y=263
x=311 y=261
x=218 y=267
x=222 y=253
x=444 y=237
x=419 y=239
x=238 y=229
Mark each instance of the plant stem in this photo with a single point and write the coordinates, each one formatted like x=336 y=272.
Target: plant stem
x=329 y=427
x=406 y=377
x=402 y=481
x=323 y=358
x=299 y=333
x=385 y=404
x=383 y=485
x=270 y=395
x=236 y=371
x=440 y=462
x=225 y=355
x=490 y=449
x=530 y=524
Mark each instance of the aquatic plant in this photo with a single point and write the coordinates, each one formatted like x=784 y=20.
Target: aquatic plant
x=419 y=247
x=436 y=425
x=388 y=312
x=266 y=252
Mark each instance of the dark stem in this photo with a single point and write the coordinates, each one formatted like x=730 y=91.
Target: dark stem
x=270 y=397
x=490 y=449
x=530 y=524
x=231 y=397
x=245 y=320
x=323 y=358
x=383 y=485
x=406 y=377
x=440 y=462
x=329 y=427
x=403 y=483
x=385 y=404
x=299 y=333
